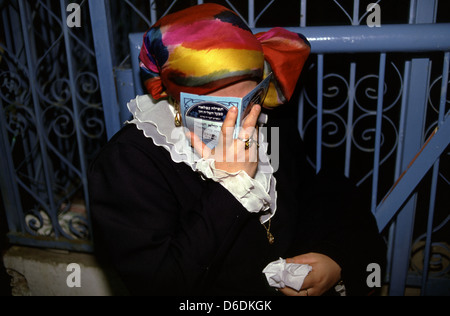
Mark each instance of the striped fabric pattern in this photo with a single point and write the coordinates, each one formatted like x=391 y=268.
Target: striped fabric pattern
x=207 y=47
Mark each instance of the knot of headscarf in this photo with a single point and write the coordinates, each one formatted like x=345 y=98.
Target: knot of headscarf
x=208 y=47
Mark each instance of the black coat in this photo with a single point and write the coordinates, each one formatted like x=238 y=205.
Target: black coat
x=168 y=231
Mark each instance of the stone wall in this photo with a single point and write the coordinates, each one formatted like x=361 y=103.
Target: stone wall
x=49 y=272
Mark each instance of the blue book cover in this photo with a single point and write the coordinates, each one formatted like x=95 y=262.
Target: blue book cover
x=204 y=115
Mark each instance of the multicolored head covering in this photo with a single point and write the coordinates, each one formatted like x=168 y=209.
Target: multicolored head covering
x=208 y=47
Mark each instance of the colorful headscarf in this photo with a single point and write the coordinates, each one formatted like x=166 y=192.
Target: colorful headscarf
x=208 y=47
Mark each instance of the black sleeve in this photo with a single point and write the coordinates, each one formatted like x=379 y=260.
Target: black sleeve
x=343 y=228
x=156 y=245
x=335 y=220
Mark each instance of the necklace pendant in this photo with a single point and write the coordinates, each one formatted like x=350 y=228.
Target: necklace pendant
x=270 y=238
x=178 y=122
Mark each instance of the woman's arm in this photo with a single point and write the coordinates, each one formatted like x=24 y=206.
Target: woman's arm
x=336 y=222
x=158 y=245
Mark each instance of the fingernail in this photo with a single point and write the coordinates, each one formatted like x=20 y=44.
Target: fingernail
x=234 y=109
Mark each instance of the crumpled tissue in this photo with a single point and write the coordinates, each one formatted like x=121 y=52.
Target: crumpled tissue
x=280 y=274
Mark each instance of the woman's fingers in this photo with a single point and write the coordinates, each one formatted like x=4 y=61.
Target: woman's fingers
x=230 y=154
x=249 y=131
x=229 y=125
x=324 y=275
x=310 y=280
x=199 y=146
x=249 y=124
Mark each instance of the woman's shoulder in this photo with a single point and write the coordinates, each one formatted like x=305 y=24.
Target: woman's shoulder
x=129 y=133
x=130 y=136
x=132 y=141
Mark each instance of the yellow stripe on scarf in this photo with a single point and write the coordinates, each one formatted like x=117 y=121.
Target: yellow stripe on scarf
x=206 y=62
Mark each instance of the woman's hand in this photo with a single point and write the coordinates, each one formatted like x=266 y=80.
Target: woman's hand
x=324 y=275
x=230 y=154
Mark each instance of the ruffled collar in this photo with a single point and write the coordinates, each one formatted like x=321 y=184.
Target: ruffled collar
x=156 y=121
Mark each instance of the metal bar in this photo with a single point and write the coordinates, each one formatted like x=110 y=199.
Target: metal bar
x=301 y=110
x=140 y=14
x=125 y=91
x=384 y=39
x=263 y=11
x=431 y=209
x=344 y=11
x=19 y=45
x=320 y=66
x=251 y=13
x=169 y=8
x=444 y=87
x=351 y=105
x=434 y=179
x=301 y=103
x=424 y=12
x=362 y=39
x=29 y=137
x=153 y=12
x=135 y=41
x=412 y=11
x=415 y=122
x=105 y=66
x=235 y=10
x=8 y=184
x=111 y=31
x=31 y=62
x=76 y=112
x=8 y=39
x=402 y=122
x=420 y=165
x=303 y=5
x=379 y=120
x=355 y=20
x=398 y=164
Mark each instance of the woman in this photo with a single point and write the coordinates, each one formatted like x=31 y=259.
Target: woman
x=177 y=217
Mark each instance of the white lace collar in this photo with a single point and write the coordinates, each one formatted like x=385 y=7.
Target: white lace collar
x=156 y=121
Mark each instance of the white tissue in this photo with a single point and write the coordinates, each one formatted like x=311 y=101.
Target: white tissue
x=280 y=274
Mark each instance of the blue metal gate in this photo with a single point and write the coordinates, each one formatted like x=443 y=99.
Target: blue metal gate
x=51 y=124
x=374 y=103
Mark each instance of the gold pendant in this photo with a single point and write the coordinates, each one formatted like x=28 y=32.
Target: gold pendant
x=270 y=238
x=178 y=120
